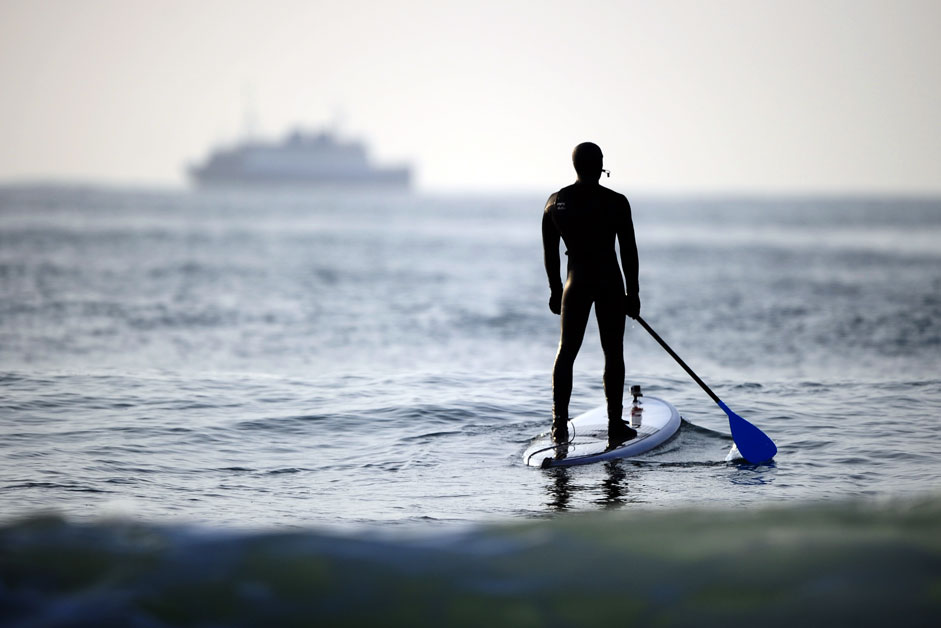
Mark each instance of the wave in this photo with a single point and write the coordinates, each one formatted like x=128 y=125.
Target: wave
x=857 y=563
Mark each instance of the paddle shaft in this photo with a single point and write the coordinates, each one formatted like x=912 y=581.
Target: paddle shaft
x=678 y=359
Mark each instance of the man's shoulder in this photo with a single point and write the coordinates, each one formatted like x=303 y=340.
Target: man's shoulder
x=616 y=197
x=550 y=202
x=559 y=196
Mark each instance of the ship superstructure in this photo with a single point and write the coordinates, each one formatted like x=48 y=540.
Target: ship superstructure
x=308 y=159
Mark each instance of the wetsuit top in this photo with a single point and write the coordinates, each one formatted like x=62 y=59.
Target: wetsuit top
x=588 y=217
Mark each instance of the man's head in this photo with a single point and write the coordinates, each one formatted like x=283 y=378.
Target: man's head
x=588 y=161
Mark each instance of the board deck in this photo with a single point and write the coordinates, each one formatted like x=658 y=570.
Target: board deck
x=659 y=420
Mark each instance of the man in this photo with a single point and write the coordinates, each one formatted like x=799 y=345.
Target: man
x=588 y=217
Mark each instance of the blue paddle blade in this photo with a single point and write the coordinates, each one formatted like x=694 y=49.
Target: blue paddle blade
x=752 y=443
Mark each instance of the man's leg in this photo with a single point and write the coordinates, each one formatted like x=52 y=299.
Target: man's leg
x=610 y=314
x=575 y=310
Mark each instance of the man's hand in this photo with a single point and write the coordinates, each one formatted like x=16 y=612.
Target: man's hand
x=555 y=302
x=632 y=305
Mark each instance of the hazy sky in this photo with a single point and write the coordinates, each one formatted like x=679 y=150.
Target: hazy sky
x=682 y=96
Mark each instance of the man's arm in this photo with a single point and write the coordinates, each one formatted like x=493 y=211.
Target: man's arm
x=550 y=256
x=628 y=249
x=629 y=260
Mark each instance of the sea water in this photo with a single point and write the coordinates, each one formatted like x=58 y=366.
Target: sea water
x=204 y=384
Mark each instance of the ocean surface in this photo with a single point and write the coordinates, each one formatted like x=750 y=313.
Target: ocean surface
x=204 y=387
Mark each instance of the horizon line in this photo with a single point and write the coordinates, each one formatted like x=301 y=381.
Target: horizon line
x=511 y=190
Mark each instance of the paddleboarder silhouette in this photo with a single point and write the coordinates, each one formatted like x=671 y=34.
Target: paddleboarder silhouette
x=588 y=217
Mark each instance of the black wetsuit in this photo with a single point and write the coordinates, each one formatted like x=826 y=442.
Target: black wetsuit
x=588 y=217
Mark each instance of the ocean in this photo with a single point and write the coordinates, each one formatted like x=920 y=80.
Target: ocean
x=263 y=407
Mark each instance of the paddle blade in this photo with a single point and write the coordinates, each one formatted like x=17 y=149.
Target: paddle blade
x=752 y=443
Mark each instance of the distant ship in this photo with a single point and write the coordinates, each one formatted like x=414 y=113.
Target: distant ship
x=301 y=159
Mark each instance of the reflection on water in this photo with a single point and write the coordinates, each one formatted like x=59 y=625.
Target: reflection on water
x=754 y=474
x=614 y=484
x=559 y=488
x=611 y=484
x=611 y=491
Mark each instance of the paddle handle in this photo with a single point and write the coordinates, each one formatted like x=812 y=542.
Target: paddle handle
x=679 y=360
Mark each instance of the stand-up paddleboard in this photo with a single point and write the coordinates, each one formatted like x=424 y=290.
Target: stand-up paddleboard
x=658 y=421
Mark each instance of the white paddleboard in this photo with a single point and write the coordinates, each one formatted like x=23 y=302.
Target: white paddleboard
x=658 y=421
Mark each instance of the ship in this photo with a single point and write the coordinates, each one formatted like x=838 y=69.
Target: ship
x=318 y=159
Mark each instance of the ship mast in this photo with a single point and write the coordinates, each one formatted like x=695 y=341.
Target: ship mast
x=337 y=121
x=249 y=117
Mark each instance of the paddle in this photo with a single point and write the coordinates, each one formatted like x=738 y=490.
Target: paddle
x=752 y=443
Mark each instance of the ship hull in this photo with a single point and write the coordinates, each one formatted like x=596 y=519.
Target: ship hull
x=376 y=179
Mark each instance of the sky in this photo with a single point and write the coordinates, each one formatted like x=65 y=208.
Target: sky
x=745 y=96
